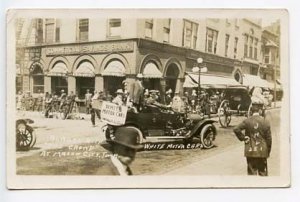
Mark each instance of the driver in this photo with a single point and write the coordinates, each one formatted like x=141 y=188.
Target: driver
x=152 y=100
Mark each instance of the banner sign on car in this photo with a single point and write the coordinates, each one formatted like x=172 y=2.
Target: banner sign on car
x=113 y=114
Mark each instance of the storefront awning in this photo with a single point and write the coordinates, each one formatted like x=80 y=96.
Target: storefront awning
x=151 y=71
x=208 y=81
x=114 y=68
x=85 y=69
x=256 y=81
x=59 y=69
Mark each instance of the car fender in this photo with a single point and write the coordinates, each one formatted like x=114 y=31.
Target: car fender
x=198 y=126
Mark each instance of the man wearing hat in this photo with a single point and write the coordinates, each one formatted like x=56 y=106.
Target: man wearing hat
x=88 y=101
x=136 y=91
x=258 y=142
x=119 y=98
x=96 y=106
x=123 y=147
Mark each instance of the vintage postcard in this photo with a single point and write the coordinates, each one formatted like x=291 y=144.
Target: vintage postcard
x=142 y=98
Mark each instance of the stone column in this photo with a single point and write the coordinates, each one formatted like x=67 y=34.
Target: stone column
x=163 y=89
x=99 y=83
x=179 y=86
x=71 y=84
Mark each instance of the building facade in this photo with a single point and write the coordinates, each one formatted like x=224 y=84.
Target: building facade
x=271 y=52
x=80 y=54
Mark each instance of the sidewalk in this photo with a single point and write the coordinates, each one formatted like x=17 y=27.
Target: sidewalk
x=230 y=162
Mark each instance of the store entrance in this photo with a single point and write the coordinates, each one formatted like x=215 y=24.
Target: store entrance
x=83 y=84
x=59 y=83
x=171 y=77
x=112 y=84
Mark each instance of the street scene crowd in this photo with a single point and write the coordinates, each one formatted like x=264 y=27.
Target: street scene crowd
x=132 y=95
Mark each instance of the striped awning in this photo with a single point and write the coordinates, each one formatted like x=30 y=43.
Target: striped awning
x=151 y=71
x=85 y=69
x=256 y=81
x=59 y=69
x=114 y=68
x=208 y=81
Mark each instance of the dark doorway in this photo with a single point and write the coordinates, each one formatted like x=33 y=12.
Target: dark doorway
x=171 y=77
x=112 y=84
x=59 y=83
x=83 y=84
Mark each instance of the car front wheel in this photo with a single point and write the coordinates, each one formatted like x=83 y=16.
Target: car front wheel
x=207 y=136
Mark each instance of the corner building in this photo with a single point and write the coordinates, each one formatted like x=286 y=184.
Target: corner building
x=80 y=54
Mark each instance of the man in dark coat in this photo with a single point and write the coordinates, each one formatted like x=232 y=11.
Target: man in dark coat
x=136 y=91
x=123 y=147
x=258 y=142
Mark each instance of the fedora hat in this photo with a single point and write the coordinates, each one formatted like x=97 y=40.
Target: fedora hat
x=127 y=137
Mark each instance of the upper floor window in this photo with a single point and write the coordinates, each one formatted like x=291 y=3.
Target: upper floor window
x=211 y=40
x=246 y=46
x=267 y=55
x=251 y=47
x=190 y=34
x=49 y=30
x=166 y=30
x=255 y=48
x=83 y=29
x=114 y=27
x=57 y=30
x=236 y=41
x=226 y=44
x=39 y=31
x=149 y=28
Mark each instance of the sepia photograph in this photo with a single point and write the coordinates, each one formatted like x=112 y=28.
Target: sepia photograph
x=147 y=98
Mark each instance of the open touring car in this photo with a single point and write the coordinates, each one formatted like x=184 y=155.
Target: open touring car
x=160 y=127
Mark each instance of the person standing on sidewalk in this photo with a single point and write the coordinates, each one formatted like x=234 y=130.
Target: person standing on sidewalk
x=258 y=142
x=96 y=106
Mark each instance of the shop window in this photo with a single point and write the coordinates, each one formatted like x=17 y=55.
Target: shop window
x=49 y=29
x=236 y=40
x=39 y=31
x=114 y=27
x=149 y=28
x=83 y=29
x=166 y=30
x=190 y=34
x=38 y=80
x=211 y=40
x=59 y=83
x=227 y=36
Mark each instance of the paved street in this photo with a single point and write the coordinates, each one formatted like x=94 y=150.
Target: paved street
x=72 y=147
x=232 y=162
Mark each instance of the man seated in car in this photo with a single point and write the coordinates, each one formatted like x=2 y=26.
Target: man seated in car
x=153 y=100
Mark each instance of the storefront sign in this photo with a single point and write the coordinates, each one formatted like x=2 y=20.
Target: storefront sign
x=90 y=48
x=113 y=114
x=171 y=146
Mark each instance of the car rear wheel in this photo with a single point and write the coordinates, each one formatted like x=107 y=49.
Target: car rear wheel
x=207 y=136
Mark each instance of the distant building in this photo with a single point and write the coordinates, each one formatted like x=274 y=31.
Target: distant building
x=80 y=54
x=271 y=52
